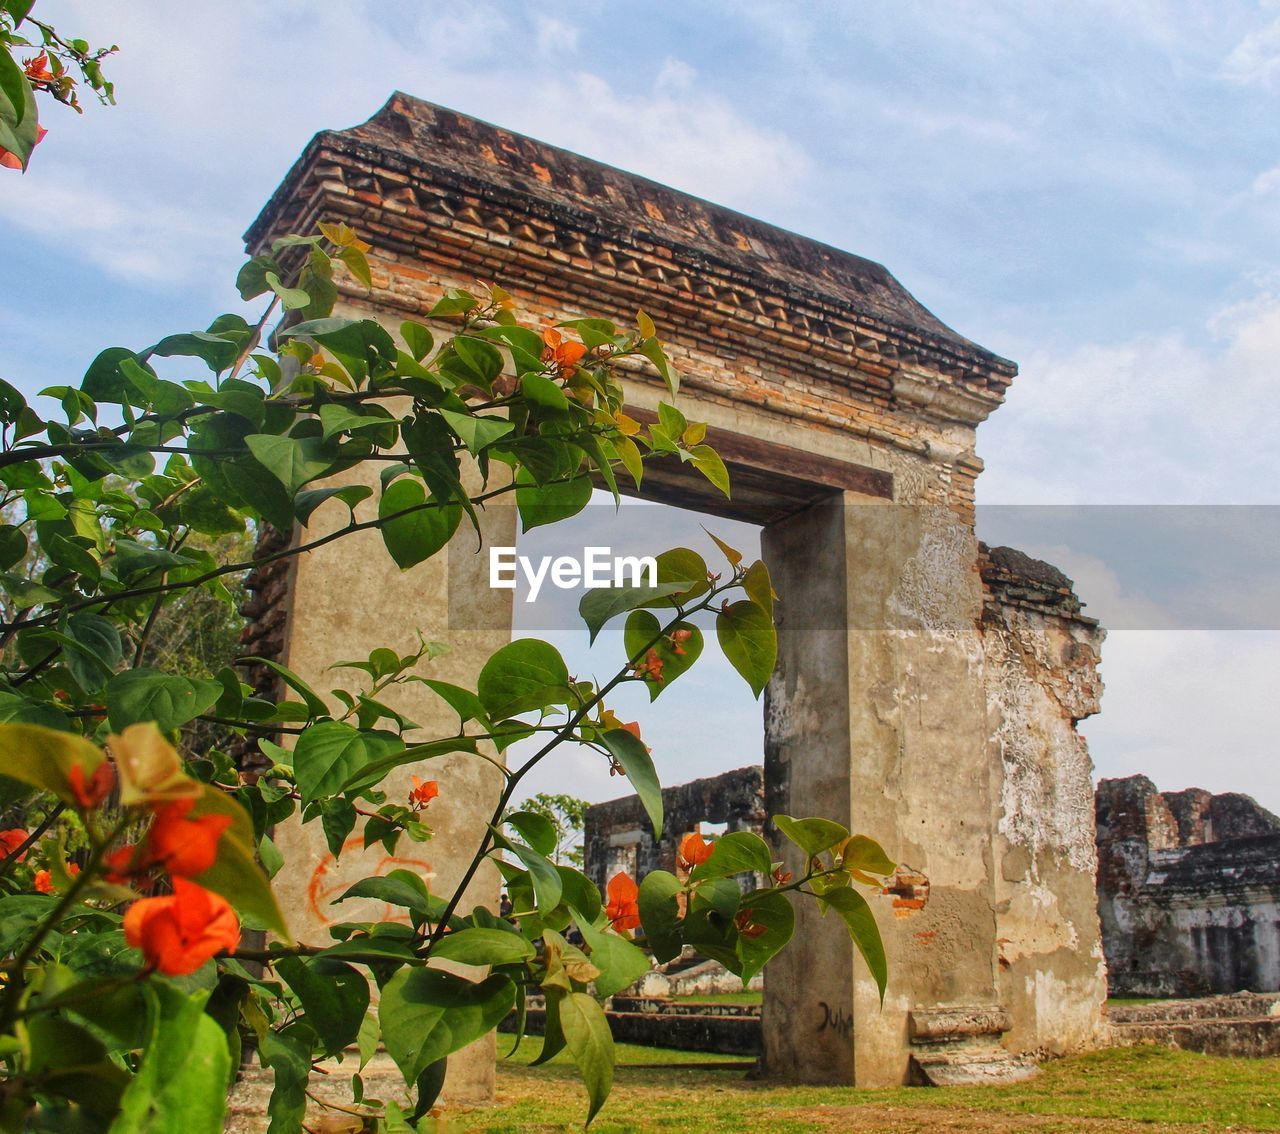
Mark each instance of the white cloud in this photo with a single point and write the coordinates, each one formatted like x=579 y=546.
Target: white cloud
x=1178 y=417
x=1255 y=60
x=1183 y=709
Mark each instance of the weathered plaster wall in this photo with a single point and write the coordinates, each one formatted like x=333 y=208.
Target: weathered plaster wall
x=1188 y=891
x=1042 y=656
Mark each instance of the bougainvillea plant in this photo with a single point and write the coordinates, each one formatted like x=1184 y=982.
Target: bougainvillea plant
x=36 y=60
x=143 y=953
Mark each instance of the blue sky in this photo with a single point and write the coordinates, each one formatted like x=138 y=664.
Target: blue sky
x=1090 y=189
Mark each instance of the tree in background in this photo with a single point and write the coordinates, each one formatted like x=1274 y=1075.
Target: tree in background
x=567 y=814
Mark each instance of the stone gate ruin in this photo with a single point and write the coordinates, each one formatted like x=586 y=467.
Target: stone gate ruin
x=926 y=692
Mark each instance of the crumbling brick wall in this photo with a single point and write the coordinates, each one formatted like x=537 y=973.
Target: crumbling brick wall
x=1188 y=890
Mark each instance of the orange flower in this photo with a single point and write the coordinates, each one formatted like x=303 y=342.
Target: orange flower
x=89 y=793
x=43 y=881
x=651 y=667
x=37 y=69
x=183 y=846
x=782 y=877
x=694 y=849
x=120 y=864
x=11 y=840
x=623 y=909
x=678 y=639
x=181 y=931
x=423 y=793
x=747 y=927
x=562 y=355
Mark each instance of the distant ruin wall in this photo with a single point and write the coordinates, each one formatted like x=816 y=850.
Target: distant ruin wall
x=1188 y=891
x=618 y=834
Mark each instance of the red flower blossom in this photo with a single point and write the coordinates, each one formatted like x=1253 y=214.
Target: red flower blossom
x=423 y=793
x=123 y=864
x=651 y=667
x=678 y=639
x=182 y=846
x=91 y=792
x=694 y=849
x=747 y=927
x=562 y=355
x=782 y=877
x=623 y=909
x=181 y=931
x=43 y=880
x=11 y=840
x=37 y=69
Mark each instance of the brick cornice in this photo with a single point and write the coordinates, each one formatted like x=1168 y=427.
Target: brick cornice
x=844 y=324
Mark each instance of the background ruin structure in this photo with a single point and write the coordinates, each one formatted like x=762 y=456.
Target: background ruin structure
x=926 y=692
x=1188 y=891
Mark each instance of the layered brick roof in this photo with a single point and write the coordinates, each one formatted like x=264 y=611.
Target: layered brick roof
x=482 y=176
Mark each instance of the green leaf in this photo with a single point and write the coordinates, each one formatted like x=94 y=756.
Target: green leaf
x=420 y=534
x=330 y=754
x=350 y=494
x=315 y=703
x=478 y=432
x=357 y=344
x=629 y=751
x=483 y=947
x=251 y=280
x=417 y=338
x=759 y=590
x=373 y=772
x=292 y=461
x=524 y=675
x=337 y=419
x=586 y=1032
x=773 y=911
x=401 y=888
x=652 y=350
x=861 y=923
x=480 y=362
x=149 y=695
x=334 y=996
x=738 y=852
x=642 y=628
x=867 y=855
x=812 y=836
x=547 y=887
x=181 y=1084
x=749 y=641
x=426 y=1015
x=291 y=298
x=536 y=830
x=13 y=86
x=16 y=709
x=707 y=461
x=543 y=396
x=290 y=1061
x=13 y=546
x=549 y=503
x=462 y=701
x=600 y=604
x=620 y=963
x=43 y=757
x=19 y=128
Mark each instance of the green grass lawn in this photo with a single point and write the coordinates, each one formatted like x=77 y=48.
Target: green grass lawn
x=746 y=996
x=1123 y=1089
